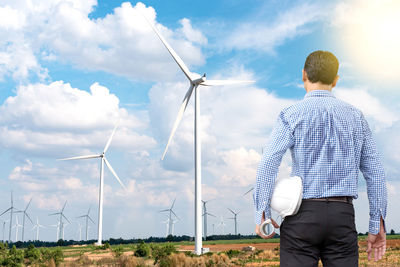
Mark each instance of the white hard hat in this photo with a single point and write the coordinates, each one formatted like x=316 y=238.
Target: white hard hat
x=287 y=195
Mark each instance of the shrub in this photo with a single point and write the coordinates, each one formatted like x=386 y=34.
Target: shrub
x=232 y=253
x=118 y=251
x=32 y=254
x=14 y=258
x=142 y=250
x=161 y=252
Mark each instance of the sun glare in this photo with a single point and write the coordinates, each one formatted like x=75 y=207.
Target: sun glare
x=372 y=37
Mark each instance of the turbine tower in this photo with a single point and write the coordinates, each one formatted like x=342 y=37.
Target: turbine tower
x=11 y=209
x=37 y=226
x=87 y=218
x=16 y=226
x=205 y=213
x=60 y=221
x=103 y=161
x=57 y=230
x=4 y=227
x=234 y=218
x=171 y=222
x=195 y=80
x=23 y=218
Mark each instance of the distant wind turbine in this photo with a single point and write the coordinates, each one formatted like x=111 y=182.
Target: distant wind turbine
x=37 y=226
x=80 y=231
x=222 y=224
x=4 y=226
x=16 y=226
x=195 y=80
x=23 y=218
x=171 y=221
x=103 y=160
x=234 y=218
x=87 y=218
x=60 y=221
x=11 y=209
x=57 y=230
x=205 y=214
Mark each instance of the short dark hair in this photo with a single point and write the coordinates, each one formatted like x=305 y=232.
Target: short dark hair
x=321 y=66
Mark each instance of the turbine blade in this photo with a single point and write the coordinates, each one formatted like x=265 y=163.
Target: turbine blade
x=64 y=207
x=54 y=213
x=179 y=117
x=251 y=189
x=113 y=172
x=164 y=210
x=175 y=214
x=174 y=55
x=91 y=220
x=81 y=216
x=82 y=157
x=211 y=215
x=88 y=211
x=6 y=211
x=223 y=82
x=66 y=218
x=173 y=203
x=27 y=215
x=231 y=210
x=109 y=139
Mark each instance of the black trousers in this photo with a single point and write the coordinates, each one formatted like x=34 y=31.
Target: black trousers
x=320 y=230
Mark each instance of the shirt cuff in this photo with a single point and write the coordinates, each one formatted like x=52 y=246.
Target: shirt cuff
x=374 y=226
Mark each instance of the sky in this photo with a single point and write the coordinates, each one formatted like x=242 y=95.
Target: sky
x=70 y=70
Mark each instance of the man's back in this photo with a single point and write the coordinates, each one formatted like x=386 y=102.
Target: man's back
x=328 y=137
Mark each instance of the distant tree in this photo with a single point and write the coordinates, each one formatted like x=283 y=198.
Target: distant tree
x=392 y=232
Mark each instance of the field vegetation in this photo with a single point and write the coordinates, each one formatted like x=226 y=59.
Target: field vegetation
x=168 y=254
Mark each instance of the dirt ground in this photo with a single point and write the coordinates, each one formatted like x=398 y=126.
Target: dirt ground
x=264 y=246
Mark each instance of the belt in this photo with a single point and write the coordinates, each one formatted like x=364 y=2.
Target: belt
x=332 y=199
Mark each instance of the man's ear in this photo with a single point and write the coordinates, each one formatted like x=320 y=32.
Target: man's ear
x=304 y=76
x=335 y=81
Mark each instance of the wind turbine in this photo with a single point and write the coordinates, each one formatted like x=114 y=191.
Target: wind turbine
x=251 y=189
x=103 y=160
x=60 y=221
x=57 y=230
x=205 y=213
x=4 y=226
x=234 y=218
x=195 y=81
x=222 y=224
x=63 y=227
x=87 y=217
x=11 y=210
x=167 y=226
x=37 y=226
x=23 y=218
x=80 y=231
x=16 y=226
x=170 y=219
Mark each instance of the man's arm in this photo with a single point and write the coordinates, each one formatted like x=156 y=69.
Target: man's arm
x=372 y=170
x=281 y=139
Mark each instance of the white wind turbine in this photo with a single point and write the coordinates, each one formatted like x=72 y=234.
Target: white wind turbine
x=171 y=221
x=87 y=218
x=205 y=214
x=16 y=226
x=80 y=230
x=37 y=226
x=11 y=209
x=57 y=230
x=234 y=218
x=195 y=80
x=23 y=218
x=60 y=221
x=222 y=224
x=4 y=226
x=103 y=160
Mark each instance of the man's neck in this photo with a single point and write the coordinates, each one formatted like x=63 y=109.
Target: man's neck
x=317 y=86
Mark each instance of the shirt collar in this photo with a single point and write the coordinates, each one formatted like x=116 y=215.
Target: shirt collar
x=319 y=93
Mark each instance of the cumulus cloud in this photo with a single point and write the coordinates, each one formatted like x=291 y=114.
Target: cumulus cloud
x=121 y=43
x=45 y=118
x=265 y=36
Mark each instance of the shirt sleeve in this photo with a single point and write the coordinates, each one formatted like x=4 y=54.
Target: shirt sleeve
x=373 y=172
x=281 y=139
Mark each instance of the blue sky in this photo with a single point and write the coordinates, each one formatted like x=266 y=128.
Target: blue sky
x=69 y=70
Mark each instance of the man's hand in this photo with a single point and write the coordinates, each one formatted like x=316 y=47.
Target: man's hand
x=377 y=243
x=258 y=232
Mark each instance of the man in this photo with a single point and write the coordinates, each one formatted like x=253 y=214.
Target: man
x=330 y=141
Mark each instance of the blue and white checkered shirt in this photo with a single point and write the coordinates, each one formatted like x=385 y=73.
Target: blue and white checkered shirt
x=330 y=141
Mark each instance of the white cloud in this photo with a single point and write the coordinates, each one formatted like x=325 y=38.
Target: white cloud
x=121 y=43
x=265 y=35
x=47 y=119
